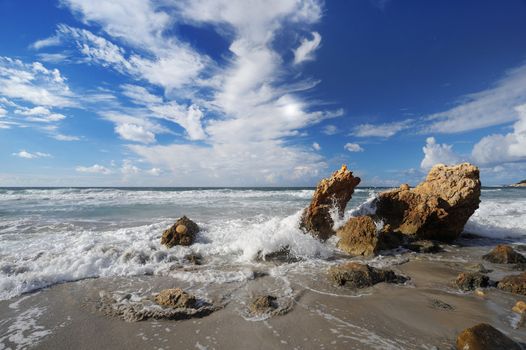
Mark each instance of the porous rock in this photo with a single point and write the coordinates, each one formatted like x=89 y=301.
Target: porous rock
x=332 y=193
x=514 y=284
x=263 y=304
x=468 y=281
x=356 y=275
x=484 y=337
x=504 y=254
x=183 y=232
x=175 y=298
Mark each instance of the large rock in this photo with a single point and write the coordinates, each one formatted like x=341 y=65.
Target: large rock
x=484 y=337
x=436 y=209
x=331 y=193
x=467 y=281
x=504 y=254
x=356 y=275
x=514 y=284
x=263 y=304
x=176 y=298
x=183 y=232
x=360 y=236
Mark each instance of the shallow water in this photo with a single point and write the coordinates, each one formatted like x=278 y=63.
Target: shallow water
x=48 y=236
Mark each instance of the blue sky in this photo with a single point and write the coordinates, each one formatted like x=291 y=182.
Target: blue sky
x=266 y=93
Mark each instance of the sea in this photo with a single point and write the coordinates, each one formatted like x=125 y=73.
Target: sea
x=56 y=235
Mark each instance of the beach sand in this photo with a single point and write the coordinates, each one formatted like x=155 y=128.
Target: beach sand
x=425 y=313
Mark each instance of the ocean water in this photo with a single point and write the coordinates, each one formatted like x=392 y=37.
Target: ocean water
x=50 y=236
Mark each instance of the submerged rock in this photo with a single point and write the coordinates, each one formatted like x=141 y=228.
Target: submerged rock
x=437 y=208
x=183 y=232
x=357 y=275
x=514 y=284
x=263 y=304
x=504 y=254
x=360 y=236
x=424 y=246
x=175 y=298
x=484 y=337
x=468 y=281
x=333 y=192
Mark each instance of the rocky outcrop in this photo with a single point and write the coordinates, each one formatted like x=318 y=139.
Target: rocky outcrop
x=332 y=193
x=360 y=236
x=175 y=298
x=504 y=254
x=468 y=281
x=438 y=208
x=263 y=304
x=519 y=184
x=484 y=337
x=183 y=232
x=514 y=284
x=357 y=275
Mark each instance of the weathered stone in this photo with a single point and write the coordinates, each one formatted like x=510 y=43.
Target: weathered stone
x=263 y=304
x=424 y=246
x=357 y=275
x=484 y=337
x=520 y=307
x=176 y=298
x=331 y=194
x=441 y=305
x=468 y=281
x=437 y=208
x=183 y=232
x=514 y=284
x=360 y=236
x=478 y=268
x=504 y=254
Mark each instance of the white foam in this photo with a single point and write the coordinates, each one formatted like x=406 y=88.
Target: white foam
x=24 y=330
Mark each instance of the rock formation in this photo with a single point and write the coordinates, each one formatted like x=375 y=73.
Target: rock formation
x=514 y=284
x=484 y=337
x=181 y=233
x=504 y=254
x=468 y=281
x=176 y=298
x=333 y=192
x=436 y=209
x=357 y=275
x=263 y=304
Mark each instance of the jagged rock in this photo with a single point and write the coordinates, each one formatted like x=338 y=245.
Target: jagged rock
x=468 y=281
x=484 y=337
x=514 y=284
x=424 y=246
x=333 y=192
x=176 y=298
x=441 y=305
x=360 y=236
x=195 y=259
x=437 y=208
x=520 y=307
x=357 y=275
x=504 y=254
x=181 y=233
x=263 y=304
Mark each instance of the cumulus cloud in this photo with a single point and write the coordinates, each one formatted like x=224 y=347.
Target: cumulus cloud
x=499 y=148
x=435 y=153
x=305 y=51
x=40 y=114
x=316 y=146
x=330 y=129
x=94 y=169
x=353 y=147
x=493 y=106
x=129 y=169
x=28 y=155
x=134 y=132
x=381 y=130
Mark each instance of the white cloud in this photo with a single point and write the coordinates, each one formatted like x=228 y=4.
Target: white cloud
x=134 y=132
x=40 y=114
x=28 y=155
x=316 y=146
x=493 y=106
x=62 y=137
x=94 y=169
x=305 y=52
x=353 y=147
x=129 y=169
x=51 y=41
x=498 y=148
x=435 y=153
x=3 y=112
x=154 y=171
x=381 y=130
x=330 y=129
x=53 y=57
x=140 y=95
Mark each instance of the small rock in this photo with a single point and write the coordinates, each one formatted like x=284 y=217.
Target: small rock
x=357 y=275
x=195 y=259
x=504 y=254
x=514 y=284
x=181 y=233
x=484 y=337
x=467 y=281
x=520 y=307
x=439 y=304
x=480 y=293
x=424 y=246
x=263 y=304
x=175 y=298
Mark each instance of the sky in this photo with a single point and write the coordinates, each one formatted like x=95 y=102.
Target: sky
x=259 y=93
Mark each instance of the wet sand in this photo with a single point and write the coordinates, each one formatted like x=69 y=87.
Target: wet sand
x=425 y=313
